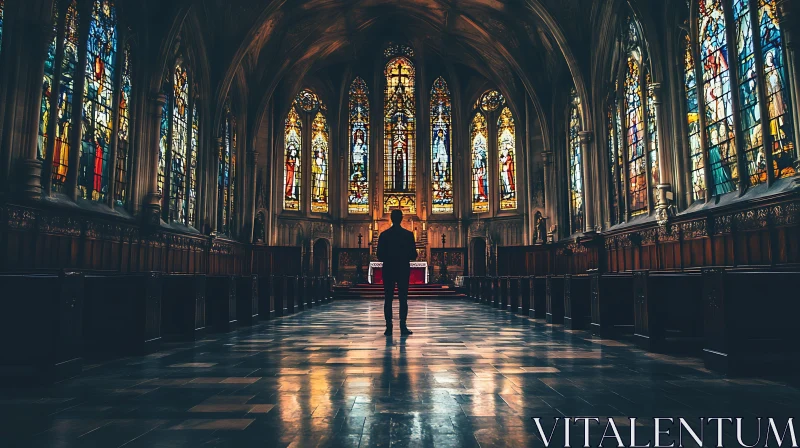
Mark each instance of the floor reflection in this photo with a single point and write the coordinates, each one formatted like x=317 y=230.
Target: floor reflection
x=469 y=376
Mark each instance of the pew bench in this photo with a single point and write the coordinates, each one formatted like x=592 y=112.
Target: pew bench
x=612 y=304
x=221 y=303
x=668 y=311
x=247 y=299
x=577 y=302
x=554 y=313
x=183 y=310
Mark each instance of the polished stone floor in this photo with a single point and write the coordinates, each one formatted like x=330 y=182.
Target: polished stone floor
x=469 y=376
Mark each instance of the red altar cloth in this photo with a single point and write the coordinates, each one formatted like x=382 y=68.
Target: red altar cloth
x=417 y=276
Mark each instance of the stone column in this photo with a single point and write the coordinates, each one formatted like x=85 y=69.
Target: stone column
x=589 y=194
x=151 y=211
x=663 y=190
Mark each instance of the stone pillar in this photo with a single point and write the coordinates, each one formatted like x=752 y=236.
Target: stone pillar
x=663 y=191
x=589 y=194
x=151 y=211
x=33 y=39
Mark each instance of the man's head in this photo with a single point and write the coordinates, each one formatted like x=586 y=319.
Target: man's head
x=397 y=217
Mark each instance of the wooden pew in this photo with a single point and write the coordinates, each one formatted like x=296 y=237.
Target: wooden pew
x=247 y=299
x=301 y=293
x=496 y=292
x=122 y=313
x=266 y=300
x=538 y=298
x=750 y=321
x=612 y=304
x=668 y=310
x=577 y=302
x=555 y=299
x=40 y=326
x=183 y=307
x=513 y=295
x=290 y=293
x=221 y=303
x=279 y=290
x=504 y=293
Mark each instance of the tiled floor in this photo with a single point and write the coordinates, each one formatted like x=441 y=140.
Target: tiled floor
x=469 y=376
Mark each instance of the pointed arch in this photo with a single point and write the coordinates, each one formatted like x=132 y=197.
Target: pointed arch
x=400 y=135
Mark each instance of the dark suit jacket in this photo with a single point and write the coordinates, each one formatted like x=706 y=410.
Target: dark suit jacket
x=396 y=247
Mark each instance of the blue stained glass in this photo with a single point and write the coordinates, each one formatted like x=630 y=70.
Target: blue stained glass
x=778 y=104
x=577 y=211
x=98 y=104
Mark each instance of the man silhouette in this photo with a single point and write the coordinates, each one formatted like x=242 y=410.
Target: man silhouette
x=396 y=248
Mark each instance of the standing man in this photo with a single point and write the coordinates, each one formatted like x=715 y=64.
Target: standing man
x=396 y=248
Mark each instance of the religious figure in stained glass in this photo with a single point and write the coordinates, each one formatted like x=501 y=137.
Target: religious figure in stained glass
x=441 y=162
x=193 y=148
x=319 y=164
x=777 y=93
x=696 y=158
x=634 y=111
x=577 y=211
x=123 y=137
x=506 y=148
x=358 y=194
x=98 y=107
x=400 y=148
x=480 y=164
x=179 y=148
x=292 y=170
x=717 y=95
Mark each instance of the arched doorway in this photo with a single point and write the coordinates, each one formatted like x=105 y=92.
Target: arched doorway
x=321 y=256
x=477 y=252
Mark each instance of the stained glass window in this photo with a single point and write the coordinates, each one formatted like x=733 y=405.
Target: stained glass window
x=98 y=102
x=492 y=100
x=652 y=133
x=124 y=136
x=319 y=164
x=292 y=173
x=226 y=182
x=696 y=158
x=400 y=136
x=307 y=100
x=56 y=116
x=441 y=155
x=163 y=148
x=192 y=174
x=2 y=19
x=507 y=158
x=776 y=88
x=720 y=139
x=634 y=124
x=180 y=144
x=747 y=77
x=480 y=163
x=358 y=191
x=577 y=211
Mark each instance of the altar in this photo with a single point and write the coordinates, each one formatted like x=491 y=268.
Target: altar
x=419 y=273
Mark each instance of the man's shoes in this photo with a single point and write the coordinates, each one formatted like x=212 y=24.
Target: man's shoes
x=388 y=331
x=405 y=331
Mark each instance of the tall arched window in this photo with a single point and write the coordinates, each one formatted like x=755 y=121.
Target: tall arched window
x=98 y=107
x=98 y=170
x=480 y=163
x=507 y=158
x=399 y=131
x=765 y=152
x=358 y=180
x=441 y=160
x=577 y=211
x=226 y=181
x=56 y=118
x=634 y=122
x=319 y=164
x=293 y=166
x=177 y=149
